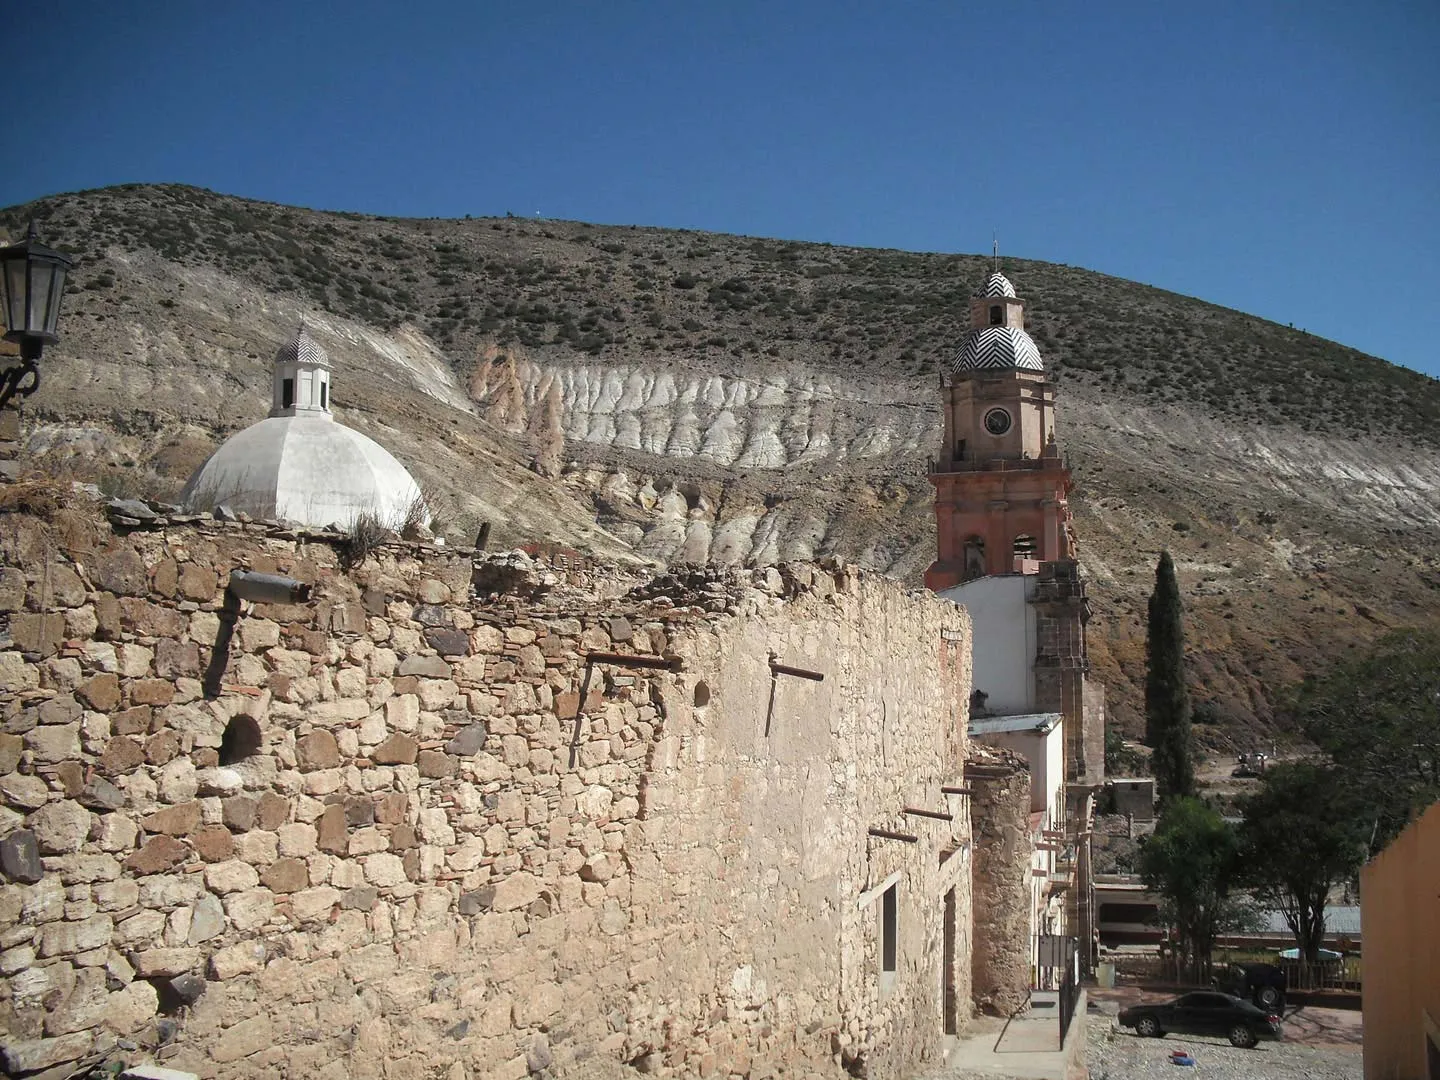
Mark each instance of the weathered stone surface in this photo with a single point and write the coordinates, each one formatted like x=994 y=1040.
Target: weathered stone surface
x=399 y=749
x=10 y=748
x=231 y=876
x=121 y=572
x=359 y=812
x=132 y=721
x=429 y=666
x=100 y=795
x=213 y=843
x=31 y=1055
x=159 y=692
x=186 y=988
x=272 y=812
x=468 y=741
x=333 y=833
x=162 y=748
x=238 y=812
x=24 y=792
x=174 y=659
x=249 y=1036
x=244 y=958
x=20 y=857
x=517 y=891
x=158 y=854
x=166 y=963
x=122 y=755
x=131 y=1007
x=60 y=827
x=435 y=765
x=360 y=898
x=40 y=634
x=207 y=920
x=446 y=642
x=101 y=693
x=317 y=750
x=83 y=1008
x=50 y=745
x=181 y=820
x=68 y=938
x=285 y=876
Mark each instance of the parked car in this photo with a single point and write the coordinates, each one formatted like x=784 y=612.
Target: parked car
x=1264 y=984
x=1204 y=1012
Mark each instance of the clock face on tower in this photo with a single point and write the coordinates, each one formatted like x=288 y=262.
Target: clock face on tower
x=997 y=421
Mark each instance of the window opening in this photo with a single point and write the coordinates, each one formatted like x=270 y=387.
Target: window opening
x=997 y=315
x=702 y=695
x=287 y=393
x=241 y=740
x=889 y=935
x=1025 y=546
x=323 y=388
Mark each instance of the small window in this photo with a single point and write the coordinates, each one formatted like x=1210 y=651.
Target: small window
x=960 y=450
x=889 y=935
x=1025 y=546
x=323 y=387
x=287 y=393
x=997 y=315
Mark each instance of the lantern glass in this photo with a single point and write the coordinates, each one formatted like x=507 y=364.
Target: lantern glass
x=37 y=320
x=14 y=294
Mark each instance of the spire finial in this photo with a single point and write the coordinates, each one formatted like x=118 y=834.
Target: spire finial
x=995 y=245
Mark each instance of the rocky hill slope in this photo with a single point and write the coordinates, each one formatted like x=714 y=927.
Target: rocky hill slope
x=666 y=395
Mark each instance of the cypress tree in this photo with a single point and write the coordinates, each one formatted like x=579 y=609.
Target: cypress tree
x=1167 y=704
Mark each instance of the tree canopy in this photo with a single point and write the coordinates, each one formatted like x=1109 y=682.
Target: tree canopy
x=1191 y=862
x=1303 y=834
x=1378 y=717
x=1167 y=702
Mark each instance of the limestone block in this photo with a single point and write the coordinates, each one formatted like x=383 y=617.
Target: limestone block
x=43 y=902
x=207 y=920
x=296 y=840
x=257 y=635
x=272 y=811
x=17 y=959
x=130 y=1008
x=317 y=750
x=238 y=812
x=177 y=781
x=257 y=847
x=245 y=958
x=141 y=929
x=101 y=692
x=230 y=877
x=368 y=841
x=434 y=827
x=312 y=905
x=31 y=1055
x=52 y=744
x=60 y=827
x=116 y=895
x=165 y=963
x=134 y=663
x=220 y=782
x=177 y=926
x=385 y=870
x=174 y=659
x=286 y=875
x=398 y=749
x=24 y=792
x=332 y=833
x=167 y=890
x=402 y=712
x=16 y=674
x=251 y=909
x=180 y=820
x=42 y=634
x=68 y=938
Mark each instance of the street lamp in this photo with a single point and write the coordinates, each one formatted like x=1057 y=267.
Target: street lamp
x=32 y=278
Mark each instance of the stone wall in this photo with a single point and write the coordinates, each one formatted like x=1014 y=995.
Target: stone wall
x=1000 y=817
x=414 y=832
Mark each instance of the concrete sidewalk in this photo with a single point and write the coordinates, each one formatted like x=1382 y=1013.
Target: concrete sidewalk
x=1025 y=1047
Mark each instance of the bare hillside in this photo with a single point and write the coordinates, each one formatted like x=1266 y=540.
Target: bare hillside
x=665 y=395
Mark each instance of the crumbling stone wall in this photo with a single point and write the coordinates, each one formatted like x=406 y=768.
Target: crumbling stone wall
x=462 y=845
x=1000 y=818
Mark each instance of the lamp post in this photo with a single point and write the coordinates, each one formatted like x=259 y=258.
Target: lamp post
x=32 y=280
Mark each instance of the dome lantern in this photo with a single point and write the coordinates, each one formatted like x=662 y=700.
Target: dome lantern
x=301 y=381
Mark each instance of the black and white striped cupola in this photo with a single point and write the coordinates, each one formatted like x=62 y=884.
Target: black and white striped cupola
x=996 y=340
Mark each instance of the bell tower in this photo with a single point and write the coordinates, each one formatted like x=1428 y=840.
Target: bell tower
x=1001 y=486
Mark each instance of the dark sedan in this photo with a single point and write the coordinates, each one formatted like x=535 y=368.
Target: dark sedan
x=1204 y=1012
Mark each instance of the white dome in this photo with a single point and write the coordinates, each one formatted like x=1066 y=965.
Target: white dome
x=990 y=348
x=306 y=469
x=997 y=284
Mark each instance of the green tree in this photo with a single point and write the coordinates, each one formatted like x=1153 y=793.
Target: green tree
x=1303 y=834
x=1167 y=703
x=1378 y=717
x=1191 y=862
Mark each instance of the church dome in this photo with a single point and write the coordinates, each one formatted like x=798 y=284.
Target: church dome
x=994 y=348
x=299 y=464
x=997 y=284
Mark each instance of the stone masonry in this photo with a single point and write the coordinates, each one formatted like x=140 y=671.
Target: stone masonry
x=458 y=816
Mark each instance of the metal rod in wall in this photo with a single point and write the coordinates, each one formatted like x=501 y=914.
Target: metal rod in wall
x=886 y=834
x=957 y=790
x=799 y=673
x=938 y=815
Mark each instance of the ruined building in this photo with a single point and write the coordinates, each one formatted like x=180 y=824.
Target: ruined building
x=442 y=814
x=1007 y=552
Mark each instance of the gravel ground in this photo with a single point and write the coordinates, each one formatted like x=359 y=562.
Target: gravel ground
x=1118 y=1054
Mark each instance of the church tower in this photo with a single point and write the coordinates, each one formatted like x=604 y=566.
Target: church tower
x=1000 y=484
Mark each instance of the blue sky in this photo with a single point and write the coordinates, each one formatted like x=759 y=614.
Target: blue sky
x=1280 y=158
